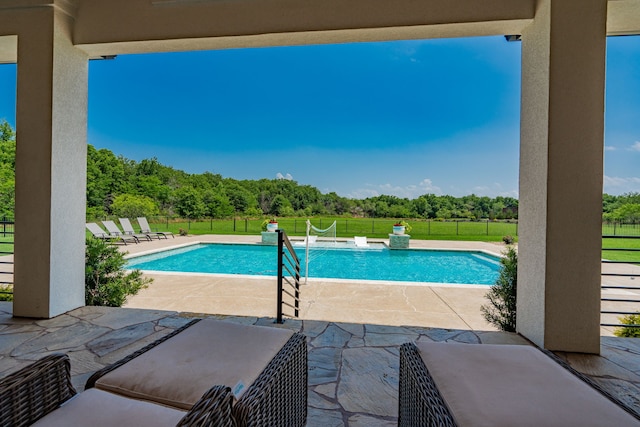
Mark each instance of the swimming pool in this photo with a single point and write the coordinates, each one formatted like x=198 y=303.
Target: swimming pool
x=374 y=263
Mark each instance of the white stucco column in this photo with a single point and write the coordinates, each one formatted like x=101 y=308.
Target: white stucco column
x=51 y=149
x=561 y=173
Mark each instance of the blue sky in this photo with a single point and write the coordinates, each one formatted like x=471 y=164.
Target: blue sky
x=403 y=118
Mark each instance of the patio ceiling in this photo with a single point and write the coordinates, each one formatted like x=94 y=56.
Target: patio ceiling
x=111 y=27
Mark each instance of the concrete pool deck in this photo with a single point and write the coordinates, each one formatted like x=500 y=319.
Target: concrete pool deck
x=400 y=304
x=388 y=303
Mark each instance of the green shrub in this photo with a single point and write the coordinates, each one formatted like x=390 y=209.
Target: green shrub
x=4 y=295
x=501 y=310
x=107 y=283
x=629 y=319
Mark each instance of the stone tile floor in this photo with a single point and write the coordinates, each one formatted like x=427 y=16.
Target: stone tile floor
x=353 y=368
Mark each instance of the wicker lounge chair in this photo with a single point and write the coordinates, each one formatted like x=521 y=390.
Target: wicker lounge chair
x=453 y=384
x=128 y=230
x=146 y=229
x=35 y=394
x=114 y=231
x=174 y=370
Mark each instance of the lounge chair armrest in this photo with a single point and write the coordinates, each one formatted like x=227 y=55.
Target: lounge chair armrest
x=32 y=392
x=213 y=409
x=420 y=402
x=278 y=397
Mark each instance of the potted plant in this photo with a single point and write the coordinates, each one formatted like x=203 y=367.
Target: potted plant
x=270 y=225
x=401 y=227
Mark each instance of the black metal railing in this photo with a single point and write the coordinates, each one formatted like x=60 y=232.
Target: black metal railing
x=288 y=278
x=621 y=287
x=7 y=230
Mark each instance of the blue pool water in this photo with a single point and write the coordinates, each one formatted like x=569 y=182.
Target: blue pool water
x=361 y=264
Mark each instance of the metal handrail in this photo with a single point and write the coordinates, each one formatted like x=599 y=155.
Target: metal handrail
x=4 y=222
x=619 y=300
x=288 y=274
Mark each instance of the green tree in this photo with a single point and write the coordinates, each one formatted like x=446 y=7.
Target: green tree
x=629 y=212
x=7 y=169
x=152 y=187
x=501 y=310
x=240 y=198
x=107 y=176
x=107 y=283
x=280 y=205
x=217 y=204
x=131 y=206
x=188 y=202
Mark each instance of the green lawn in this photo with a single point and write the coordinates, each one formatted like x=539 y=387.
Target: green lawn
x=485 y=231
x=631 y=256
x=6 y=247
x=376 y=228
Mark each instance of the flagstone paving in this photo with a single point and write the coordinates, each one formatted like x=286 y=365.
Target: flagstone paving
x=353 y=368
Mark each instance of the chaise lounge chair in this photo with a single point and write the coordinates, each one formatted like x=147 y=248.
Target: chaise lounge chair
x=41 y=394
x=129 y=231
x=265 y=367
x=146 y=229
x=114 y=231
x=251 y=376
x=99 y=233
x=455 y=384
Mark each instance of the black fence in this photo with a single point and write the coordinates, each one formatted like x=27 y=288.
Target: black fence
x=345 y=227
x=626 y=303
x=620 y=229
x=7 y=230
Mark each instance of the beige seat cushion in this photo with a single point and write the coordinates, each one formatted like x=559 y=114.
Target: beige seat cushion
x=211 y=352
x=511 y=385
x=97 y=408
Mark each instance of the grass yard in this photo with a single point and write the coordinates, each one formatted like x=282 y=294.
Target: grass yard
x=6 y=243
x=373 y=228
x=622 y=243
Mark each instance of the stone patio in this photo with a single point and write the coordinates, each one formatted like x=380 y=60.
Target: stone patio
x=353 y=368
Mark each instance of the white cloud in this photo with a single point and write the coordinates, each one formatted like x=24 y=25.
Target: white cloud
x=288 y=176
x=618 y=185
x=494 y=190
x=410 y=191
x=426 y=186
x=609 y=148
x=635 y=146
x=362 y=193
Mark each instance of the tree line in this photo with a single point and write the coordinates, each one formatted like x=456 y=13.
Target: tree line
x=123 y=187
x=120 y=186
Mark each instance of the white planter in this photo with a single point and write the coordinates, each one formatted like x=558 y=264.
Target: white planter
x=272 y=226
x=398 y=229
